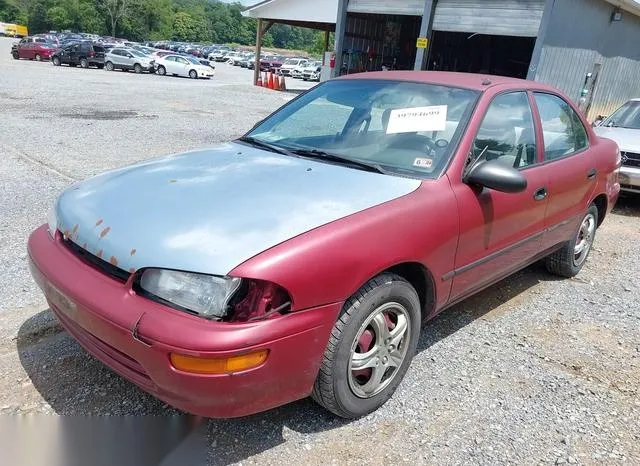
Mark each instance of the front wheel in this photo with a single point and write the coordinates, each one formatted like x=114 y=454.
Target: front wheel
x=568 y=261
x=193 y=74
x=162 y=70
x=370 y=347
x=56 y=61
x=84 y=63
x=137 y=68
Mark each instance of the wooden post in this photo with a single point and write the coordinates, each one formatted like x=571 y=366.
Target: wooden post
x=256 y=70
x=326 y=44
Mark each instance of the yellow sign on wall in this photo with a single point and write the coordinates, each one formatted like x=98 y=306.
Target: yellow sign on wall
x=422 y=42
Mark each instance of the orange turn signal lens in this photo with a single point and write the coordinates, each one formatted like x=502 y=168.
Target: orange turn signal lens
x=198 y=365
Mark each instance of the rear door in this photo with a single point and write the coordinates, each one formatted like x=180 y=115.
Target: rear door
x=500 y=232
x=569 y=163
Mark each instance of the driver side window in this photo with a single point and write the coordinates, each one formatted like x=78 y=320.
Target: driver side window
x=507 y=132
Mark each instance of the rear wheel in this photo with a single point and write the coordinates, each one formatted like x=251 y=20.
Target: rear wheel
x=84 y=63
x=108 y=66
x=56 y=61
x=370 y=347
x=38 y=57
x=137 y=68
x=193 y=74
x=568 y=261
x=162 y=70
x=15 y=56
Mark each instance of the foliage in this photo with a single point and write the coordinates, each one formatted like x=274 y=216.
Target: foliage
x=205 y=21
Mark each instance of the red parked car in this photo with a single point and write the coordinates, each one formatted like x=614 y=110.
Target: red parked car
x=302 y=258
x=33 y=48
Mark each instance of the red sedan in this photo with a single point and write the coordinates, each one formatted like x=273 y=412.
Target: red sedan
x=302 y=258
x=32 y=50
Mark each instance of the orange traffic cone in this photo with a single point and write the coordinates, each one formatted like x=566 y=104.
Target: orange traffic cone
x=271 y=86
x=265 y=81
x=259 y=81
x=283 y=86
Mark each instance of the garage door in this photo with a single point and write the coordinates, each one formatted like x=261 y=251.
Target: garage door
x=499 y=17
x=386 y=7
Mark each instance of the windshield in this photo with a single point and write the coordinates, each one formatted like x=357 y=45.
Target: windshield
x=627 y=116
x=402 y=127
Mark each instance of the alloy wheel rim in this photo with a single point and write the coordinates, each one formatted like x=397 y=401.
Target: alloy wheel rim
x=584 y=240
x=378 y=350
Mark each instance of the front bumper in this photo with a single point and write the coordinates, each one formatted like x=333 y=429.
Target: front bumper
x=135 y=336
x=629 y=178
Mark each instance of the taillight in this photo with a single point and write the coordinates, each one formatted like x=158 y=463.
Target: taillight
x=91 y=53
x=259 y=300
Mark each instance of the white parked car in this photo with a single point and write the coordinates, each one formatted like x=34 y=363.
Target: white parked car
x=180 y=65
x=623 y=126
x=290 y=64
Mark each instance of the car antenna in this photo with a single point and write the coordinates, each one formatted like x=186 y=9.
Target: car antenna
x=486 y=81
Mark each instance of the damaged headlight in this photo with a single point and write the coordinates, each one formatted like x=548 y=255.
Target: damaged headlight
x=205 y=295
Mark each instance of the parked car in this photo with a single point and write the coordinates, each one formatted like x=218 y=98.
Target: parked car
x=32 y=50
x=309 y=69
x=623 y=126
x=312 y=73
x=309 y=66
x=289 y=65
x=84 y=54
x=219 y=55
x=301 y=259
x=299 y=70
x=178 y=65
x=120 y=58
x=271 y=64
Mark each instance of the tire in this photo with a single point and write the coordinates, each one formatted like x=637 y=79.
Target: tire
x=84 y=63
x=137 y=68
x=162 y=70
x=15 y=56
x=56 y=61
x=108 y=66
x=337 y=387
x=38 y=57
x=193 y=74
x=566 y=262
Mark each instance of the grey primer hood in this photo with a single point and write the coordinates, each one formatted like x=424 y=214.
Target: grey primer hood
x=208 y=211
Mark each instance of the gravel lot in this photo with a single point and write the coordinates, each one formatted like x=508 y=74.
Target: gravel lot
x=535 y=370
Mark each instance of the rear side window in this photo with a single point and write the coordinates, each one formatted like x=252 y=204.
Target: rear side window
x=98 y=49
x=562 y=129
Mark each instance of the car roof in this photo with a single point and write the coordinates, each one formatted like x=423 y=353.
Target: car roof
x=475 y=81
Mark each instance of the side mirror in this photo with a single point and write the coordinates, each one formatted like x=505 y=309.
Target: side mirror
x=599 y=120
x=494 y=175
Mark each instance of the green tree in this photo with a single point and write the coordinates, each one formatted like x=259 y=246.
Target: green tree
x=58 y=18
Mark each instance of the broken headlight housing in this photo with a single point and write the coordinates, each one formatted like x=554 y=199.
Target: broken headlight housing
x=205 y=295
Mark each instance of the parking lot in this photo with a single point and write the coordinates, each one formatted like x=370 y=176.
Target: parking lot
x=534 y=370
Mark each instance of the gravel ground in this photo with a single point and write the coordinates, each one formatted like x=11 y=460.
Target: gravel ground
x=534 y=370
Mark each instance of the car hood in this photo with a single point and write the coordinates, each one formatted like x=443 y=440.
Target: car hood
x=627 y=139
x=210 y=210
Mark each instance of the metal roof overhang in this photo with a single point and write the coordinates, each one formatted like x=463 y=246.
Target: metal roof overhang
x=320 y=14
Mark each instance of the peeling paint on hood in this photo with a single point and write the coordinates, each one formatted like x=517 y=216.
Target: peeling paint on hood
x=208 y=211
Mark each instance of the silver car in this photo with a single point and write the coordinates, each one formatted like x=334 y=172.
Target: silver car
x=122 y=58
x=623 y=126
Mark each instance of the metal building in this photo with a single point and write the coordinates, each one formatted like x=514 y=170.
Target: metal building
x=588 y=48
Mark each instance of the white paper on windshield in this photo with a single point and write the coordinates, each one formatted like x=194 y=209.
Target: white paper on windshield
x=417 y=119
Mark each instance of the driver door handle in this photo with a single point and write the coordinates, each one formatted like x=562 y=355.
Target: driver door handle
x=540 y=194
x=592 y=174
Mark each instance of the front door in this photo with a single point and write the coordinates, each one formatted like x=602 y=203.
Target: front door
x=500 y=232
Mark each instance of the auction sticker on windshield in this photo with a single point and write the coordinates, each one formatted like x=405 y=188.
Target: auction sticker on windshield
x=406 y=120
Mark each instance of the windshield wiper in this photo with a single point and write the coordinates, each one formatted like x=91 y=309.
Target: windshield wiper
x=264 y=145
x=319 y=154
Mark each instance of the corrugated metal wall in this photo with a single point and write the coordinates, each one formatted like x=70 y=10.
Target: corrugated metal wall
x=387 y=7
x=501 y=17
x=580 y=34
